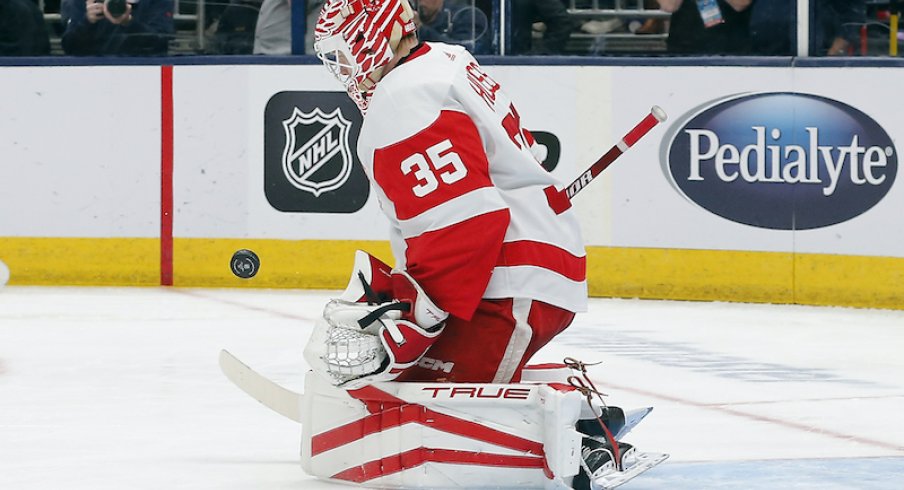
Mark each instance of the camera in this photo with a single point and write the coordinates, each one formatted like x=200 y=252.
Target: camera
x=116 y=7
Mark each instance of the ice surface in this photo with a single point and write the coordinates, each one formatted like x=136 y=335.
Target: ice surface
x=114 y=388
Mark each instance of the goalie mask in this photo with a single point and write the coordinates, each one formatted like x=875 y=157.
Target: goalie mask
x=355 y=39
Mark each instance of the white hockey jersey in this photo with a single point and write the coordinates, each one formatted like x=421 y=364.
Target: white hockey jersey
x=466 y=198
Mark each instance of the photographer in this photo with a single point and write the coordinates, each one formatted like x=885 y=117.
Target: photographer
x=117 y=27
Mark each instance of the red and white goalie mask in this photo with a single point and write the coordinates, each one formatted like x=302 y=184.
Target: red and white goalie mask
x=355 y=39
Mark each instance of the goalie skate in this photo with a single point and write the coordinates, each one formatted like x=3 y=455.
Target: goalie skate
x=632 y=418
x=606 y=475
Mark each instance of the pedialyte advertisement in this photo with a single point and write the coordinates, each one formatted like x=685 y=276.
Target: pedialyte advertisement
x=780 y=161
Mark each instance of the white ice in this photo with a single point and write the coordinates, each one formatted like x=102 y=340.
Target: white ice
x=119 y=388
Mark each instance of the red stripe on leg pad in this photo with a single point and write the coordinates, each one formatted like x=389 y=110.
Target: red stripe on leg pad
x=416 y=457
x=393 y=414
x=397 y=415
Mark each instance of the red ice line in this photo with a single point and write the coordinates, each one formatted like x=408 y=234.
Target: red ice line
x=762 y=418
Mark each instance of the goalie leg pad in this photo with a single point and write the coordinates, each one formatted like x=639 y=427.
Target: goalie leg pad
x=616 y=419
x=441 y=435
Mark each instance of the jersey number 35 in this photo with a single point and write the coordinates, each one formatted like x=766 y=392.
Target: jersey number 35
x=437 y=163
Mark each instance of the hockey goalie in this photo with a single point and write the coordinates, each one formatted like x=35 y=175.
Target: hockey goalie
x=419 y=375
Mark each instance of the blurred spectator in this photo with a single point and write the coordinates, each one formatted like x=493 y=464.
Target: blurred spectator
x=599 y=25
x=773 y=27
x=453 y=22
x=834 y=26
x=22 y=29
x=708 y=27
x=602 y=26
x=552 y=13
x=273 y=31
x=234 y=30
x=652 y=25
x=144 y=28
x=636 y=25
x=312 y=13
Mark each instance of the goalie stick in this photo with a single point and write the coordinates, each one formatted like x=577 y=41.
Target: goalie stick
x=273 y=396
x=656 y=116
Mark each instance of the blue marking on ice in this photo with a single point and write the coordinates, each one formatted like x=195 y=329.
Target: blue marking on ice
x=882 y=473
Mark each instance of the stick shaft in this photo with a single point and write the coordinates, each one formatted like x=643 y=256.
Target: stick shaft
x=655 y=116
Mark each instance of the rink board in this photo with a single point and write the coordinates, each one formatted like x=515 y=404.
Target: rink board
x=88 y=201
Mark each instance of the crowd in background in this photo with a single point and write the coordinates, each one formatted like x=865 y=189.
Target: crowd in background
x=536 y=27
x=742 y=27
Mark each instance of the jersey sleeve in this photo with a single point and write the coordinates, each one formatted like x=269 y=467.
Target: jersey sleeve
x=451 y=216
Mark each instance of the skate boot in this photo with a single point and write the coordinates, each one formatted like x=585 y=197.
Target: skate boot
x=613 y=417
x=603 y=467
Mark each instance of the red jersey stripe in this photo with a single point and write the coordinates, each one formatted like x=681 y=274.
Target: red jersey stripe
x=544 y=255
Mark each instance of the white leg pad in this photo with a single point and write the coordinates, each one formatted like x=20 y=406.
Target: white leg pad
x=441 y=435
x=555 y=374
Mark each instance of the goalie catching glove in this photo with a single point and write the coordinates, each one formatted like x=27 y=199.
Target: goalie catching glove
x=364 y=336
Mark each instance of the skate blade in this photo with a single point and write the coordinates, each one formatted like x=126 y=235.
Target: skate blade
x=637 y=464
x=632 y=418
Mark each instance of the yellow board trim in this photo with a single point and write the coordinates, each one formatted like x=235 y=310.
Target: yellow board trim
x=302 y=264
x=705 y=275
x=846 y=280
x=81 y=261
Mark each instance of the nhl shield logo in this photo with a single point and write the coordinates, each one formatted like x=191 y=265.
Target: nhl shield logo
x=316 y=158
x=310 y=162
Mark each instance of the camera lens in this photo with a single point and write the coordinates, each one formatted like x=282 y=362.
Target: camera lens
x=116 y=7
